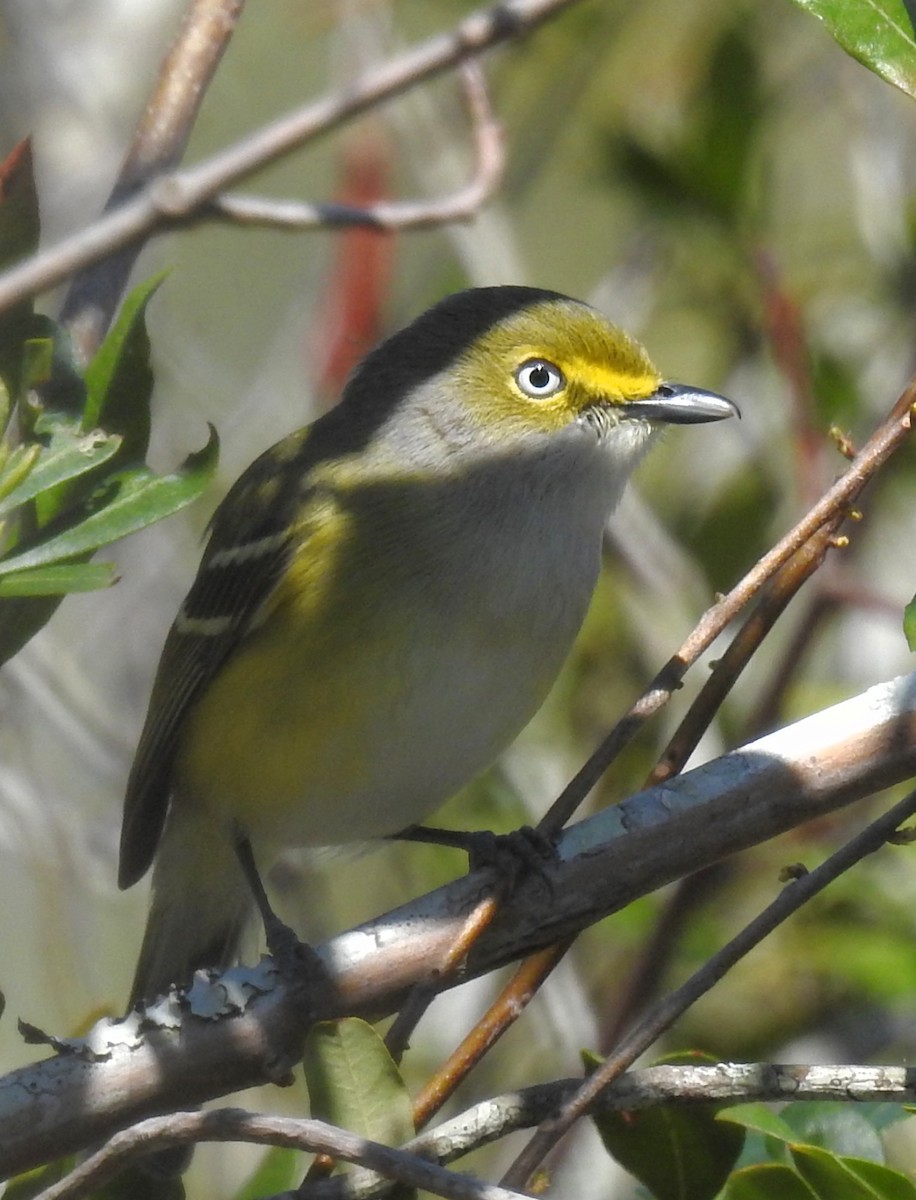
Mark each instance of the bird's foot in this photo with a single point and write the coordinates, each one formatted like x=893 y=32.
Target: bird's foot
x=299 y=964
x=514 y=856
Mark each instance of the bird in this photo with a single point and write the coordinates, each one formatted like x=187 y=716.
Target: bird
x=384 y=600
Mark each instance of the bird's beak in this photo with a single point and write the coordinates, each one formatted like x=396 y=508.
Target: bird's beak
x=681 y=404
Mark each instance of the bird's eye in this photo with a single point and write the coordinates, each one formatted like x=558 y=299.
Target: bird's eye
x=539 y=379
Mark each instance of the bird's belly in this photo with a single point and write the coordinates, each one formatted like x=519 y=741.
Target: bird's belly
x=337 y=743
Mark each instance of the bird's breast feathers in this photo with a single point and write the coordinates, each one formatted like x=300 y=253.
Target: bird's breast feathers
x=396 y=659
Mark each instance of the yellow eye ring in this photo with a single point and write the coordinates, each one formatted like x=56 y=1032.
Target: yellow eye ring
x=539 y=379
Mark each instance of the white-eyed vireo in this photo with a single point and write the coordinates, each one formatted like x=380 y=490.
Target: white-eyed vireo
x=385 y=600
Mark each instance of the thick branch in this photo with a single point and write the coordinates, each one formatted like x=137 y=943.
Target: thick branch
x=128 y=1071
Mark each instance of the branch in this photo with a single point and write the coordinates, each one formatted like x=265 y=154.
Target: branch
x=180 y=1052
x=461 y=205
x=159 y=142
x=662 y=1016
x=731 y=1083
x=489 y=1121
x=186 y=196
x=883 y=443
x=784 y=570
x=237 y=1125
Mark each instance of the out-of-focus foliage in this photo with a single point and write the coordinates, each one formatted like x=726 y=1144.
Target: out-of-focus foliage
x=724 y=181
x=72 y=475
x=824 y=1151
x=679 y=1152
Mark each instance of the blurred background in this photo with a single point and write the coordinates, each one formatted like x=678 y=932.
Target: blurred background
x=717 y=177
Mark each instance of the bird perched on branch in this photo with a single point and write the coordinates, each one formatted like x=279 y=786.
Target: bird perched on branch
x=384 y=601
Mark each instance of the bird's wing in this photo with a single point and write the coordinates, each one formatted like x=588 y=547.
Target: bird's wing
x=250 y=545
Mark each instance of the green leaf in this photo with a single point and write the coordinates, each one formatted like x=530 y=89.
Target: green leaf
x=69 y=454
x=33 y=1183
x=50 y=383
x=138 y=498
x=119 y=380
x=16 y=468
x=835 y=1126
x=760 y=1118
x=909 y=624
x=879 y=33
x=678 y=1151
x=37 y=361
x=835 y=1178
x=278 y=1171
x=769 y=1181
x=353 y=1082
x=885 y=1181
x=58 y=580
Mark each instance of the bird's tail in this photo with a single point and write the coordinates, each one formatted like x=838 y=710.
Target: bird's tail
x=200 y=905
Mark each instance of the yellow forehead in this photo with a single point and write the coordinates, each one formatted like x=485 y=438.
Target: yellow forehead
x=595 y=356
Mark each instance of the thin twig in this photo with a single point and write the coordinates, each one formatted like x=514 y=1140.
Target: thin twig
x=461 y=205
x=890 y=435
x=477 y=923
x=158 y=144
x=792 y=561
x=183 y=197
x=499 y=1017
x=498 y=1116
x=666 y=1012
x=238 y=1125
x=782 y=588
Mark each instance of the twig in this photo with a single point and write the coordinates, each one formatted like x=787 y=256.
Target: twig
x=783 y=587
x=889 y=436
x=183 y=197
x=461 y=205
x=124 y=1071
x=664 y=1014
x=499 y=1017
x=159 y=142
x=498 y=1116
x=792 y=561
x=238 y=1125
x=732 y=1083
x=477 y=923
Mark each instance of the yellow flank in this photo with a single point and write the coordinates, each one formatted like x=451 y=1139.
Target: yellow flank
x=372 y=686
x=280 y=707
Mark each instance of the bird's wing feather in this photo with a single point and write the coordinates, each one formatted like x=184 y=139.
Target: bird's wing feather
x=249 y=548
